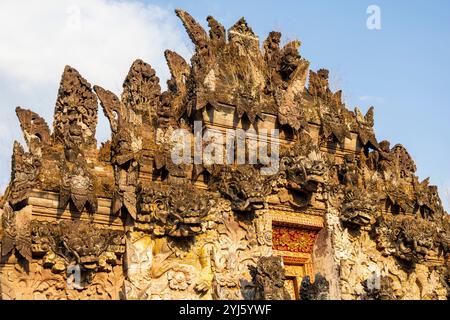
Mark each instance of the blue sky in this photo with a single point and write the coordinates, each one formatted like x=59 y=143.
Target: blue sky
x=401 y=69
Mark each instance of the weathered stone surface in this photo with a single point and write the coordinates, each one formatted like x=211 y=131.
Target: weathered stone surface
x=123 y=221
x=268 y=277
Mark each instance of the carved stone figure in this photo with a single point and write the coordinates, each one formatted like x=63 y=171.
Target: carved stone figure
x=25 y=171
x=127 y=117
x=268 y=277
x=77 y=186
x=358 y=208
x=76 y=243
x=380 y=290
x=304 y=166
x=176 y=211
x=75 y=112
x=407 y=238
x=243 y=185
x=318 y=290
x=15 y=227
x=124 y=221
x=364 y=128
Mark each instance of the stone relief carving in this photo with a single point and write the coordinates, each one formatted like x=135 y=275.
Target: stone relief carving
x=303 y=166
x=77 y=186
x=318 y=290
x=180 y=241
x=175 y=211
x=46 y=285
x=168 y=268
x=241 y=240
x=127 y=116
x=268 y=277
x=407 y=238
x=80 y=243
x=382 y=291
x=75 y=119
x=243 y=185
x=15 y=229
x=25 y=171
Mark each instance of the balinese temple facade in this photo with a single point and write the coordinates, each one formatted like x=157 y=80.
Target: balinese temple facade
x=343 y=217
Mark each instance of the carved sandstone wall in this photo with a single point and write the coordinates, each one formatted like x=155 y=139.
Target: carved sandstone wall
x=123 y=221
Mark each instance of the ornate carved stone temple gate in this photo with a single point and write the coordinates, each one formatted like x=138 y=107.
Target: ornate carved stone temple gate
x=343 y=217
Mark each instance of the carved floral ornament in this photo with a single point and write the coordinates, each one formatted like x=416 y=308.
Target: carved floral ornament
x=218 y=214
x=293 y=239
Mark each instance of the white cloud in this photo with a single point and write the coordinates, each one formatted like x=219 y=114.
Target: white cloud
x=100 y=38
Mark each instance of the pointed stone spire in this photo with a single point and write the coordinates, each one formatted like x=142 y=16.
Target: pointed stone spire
x=112 y=107
x=217 y=32
x=24 y=171
x=318 y=83
x=272 y=45
x=34 y=127
x=141 y=89
x=194 y=30
x=179 y=70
